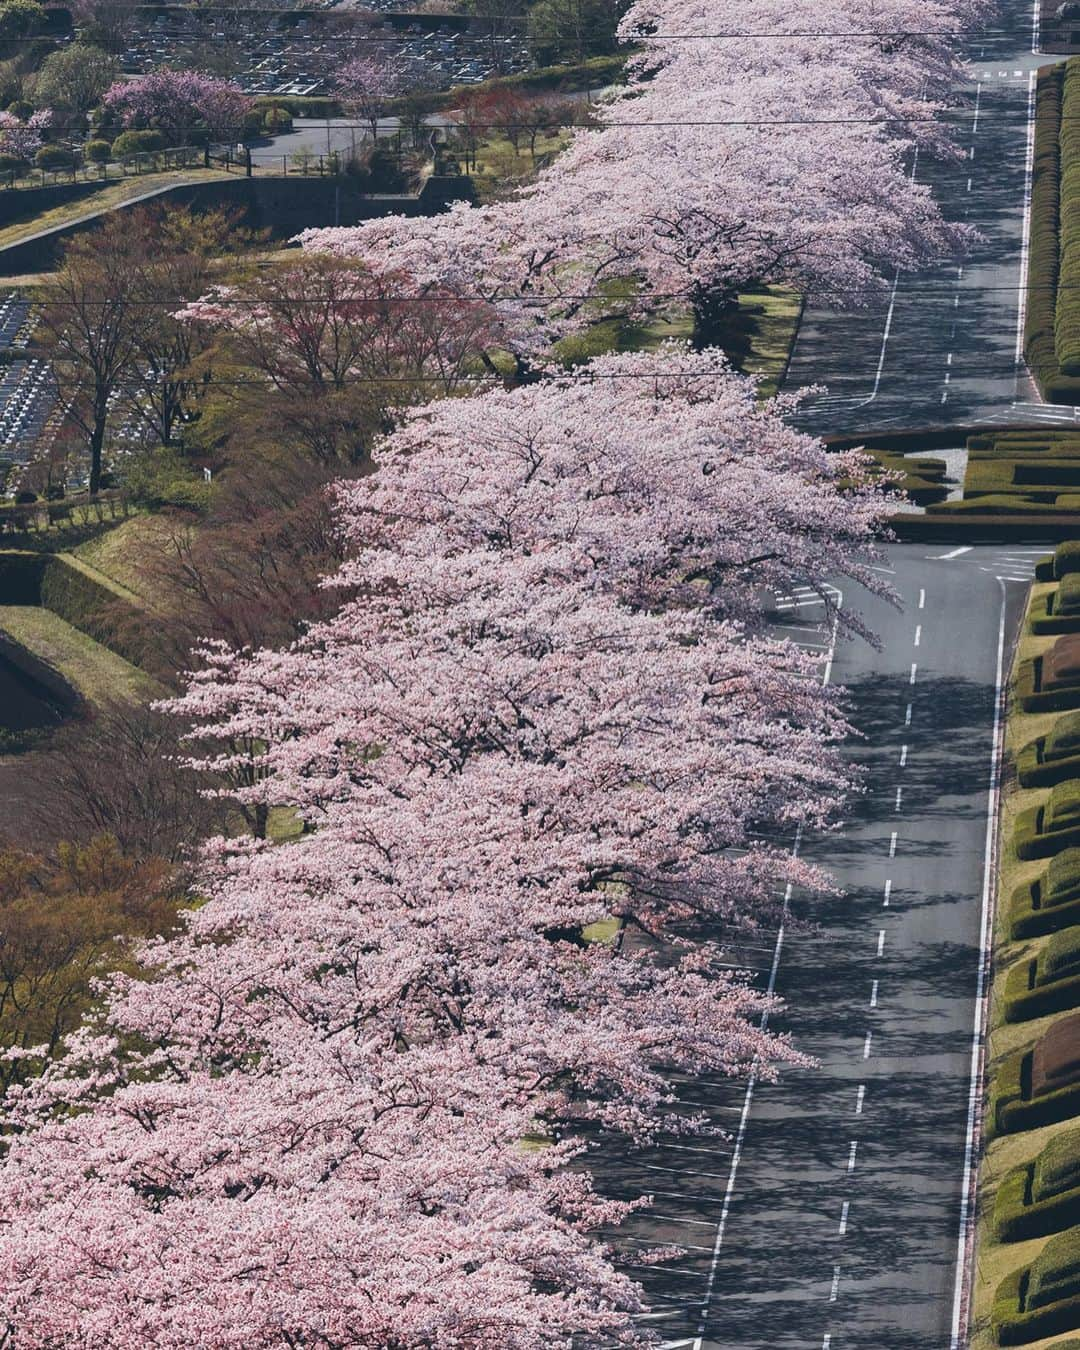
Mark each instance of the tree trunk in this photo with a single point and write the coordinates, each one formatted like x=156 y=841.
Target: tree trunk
x=714 y=311
x=97 y=443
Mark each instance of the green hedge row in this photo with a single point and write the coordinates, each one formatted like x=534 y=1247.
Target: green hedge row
x=1014 y=1325
x=1018 y=1216
x=1044 y=258
x=1048 y=984
x=1064 y=560
x=1033 y=698
x=1050 y=903
x=1047 y=619
x=1045 y=830
x=1067 y=308
x=1012 y=1108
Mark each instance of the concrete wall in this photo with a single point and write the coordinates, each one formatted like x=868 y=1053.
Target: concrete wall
x=284 y=205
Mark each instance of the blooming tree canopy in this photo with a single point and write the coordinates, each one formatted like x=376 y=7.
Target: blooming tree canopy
x=23 y=139
x=178 y=100
x=542 y=705
x=725 y=162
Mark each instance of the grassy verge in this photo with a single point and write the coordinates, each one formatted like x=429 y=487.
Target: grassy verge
x=107 y=199
x=99 y=675
x=994 y=1260
x=760 y=341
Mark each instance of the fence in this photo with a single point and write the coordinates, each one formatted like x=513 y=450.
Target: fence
x=142 y=162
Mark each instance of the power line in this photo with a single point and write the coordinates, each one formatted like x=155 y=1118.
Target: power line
x=403 y=34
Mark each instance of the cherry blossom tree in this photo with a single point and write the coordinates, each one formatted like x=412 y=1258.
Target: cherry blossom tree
x=368 y=84
x=725 y=163
x=541 y=705
x=176 y=101
x=23 y=139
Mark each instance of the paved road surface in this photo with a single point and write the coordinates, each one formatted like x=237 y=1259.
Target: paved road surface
x=844 y=1209
x=941 y=347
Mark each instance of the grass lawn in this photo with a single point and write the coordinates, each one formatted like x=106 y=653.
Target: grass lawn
x=98 y=674
x=762 y=337
x=115 y=194
x=499 y=167
x=995 y=1260
x=113 y=557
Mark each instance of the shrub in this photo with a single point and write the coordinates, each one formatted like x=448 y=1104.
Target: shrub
x=276 y=120
x=54 y=157
x=1049 y=984
x=137 y=142
x=1051 y=759
x=1042 y=1197
x=1033 y=697
x=300 y=106
x=1043 y=830
x=1066 y=558
x=12 y=164
x=1050 y=903
x=1044 y=248
x=1012 y=1106
x=1060 y=957
x=98 y=151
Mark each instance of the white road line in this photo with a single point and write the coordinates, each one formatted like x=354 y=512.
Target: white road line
x=827 y=1342
x=845 y=1210
x=851 y=1156
x=888 y=892
x=899 y=798
x=866 y=1045
x=914 y=668
x=922 y=599
x=944 y=557
x=1025 y=243
x=860 y=1097
x=880 y=941
x=964 y=1237
x=873 y=995
x=903 y=755
x=748 y=1099
x=918 y=634
x=892 y=844
x=835 y=1284
x=945 y=394
x=969 y=185
x=907 y=716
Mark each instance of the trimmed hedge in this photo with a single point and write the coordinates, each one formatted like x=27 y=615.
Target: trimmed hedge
x=1048 y=984
x=1059 y=611
x=1053 y=218
x=1043 y=830
x=1043 y=1196
x=1050 y=903
x=1033 y=698
x=1042 y=1299
x=1066 y=309
x=1012 y=1108
x=1051 y=759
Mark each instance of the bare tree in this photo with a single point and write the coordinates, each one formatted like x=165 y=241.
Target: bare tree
x=122 y=774
x=93 y=324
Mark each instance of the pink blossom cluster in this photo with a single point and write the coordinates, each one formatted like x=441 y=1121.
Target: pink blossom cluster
x=339 y=1109
x=23 y=139
x=175 y=101
x=770 y=155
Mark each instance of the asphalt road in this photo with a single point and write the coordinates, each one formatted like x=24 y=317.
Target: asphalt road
x=940 y=347
x=830 y=1216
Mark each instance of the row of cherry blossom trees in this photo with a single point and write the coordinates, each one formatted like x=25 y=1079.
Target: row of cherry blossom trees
x=337 y=1108
x=310 y=1124
x=727 y=161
